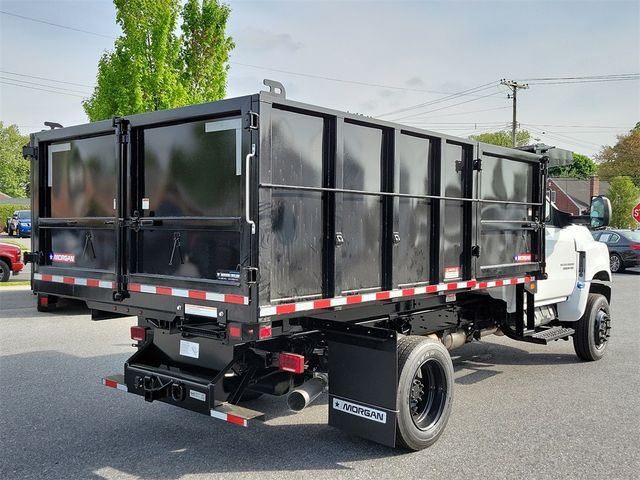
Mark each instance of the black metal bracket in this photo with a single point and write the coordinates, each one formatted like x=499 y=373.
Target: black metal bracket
x=477 y=164
x=30 y=152
x=122 y=129
x=475 y=251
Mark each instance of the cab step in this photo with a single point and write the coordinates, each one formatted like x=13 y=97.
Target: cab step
x=545 y=335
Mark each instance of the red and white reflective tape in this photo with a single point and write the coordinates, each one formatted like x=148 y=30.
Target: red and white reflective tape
x=228 y=417
x=323 y=303
x=193 y=294
x=108 y=382
x=85 y=282
x=153 y=289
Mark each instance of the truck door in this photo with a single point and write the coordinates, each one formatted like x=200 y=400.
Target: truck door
x=186 y=228
x=76 y=225
x=509 y=212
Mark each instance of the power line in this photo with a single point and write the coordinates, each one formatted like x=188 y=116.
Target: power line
x=571 y=126
x=459 y=113
x=468 y=91
x=582 y=77
x=572 y=82
x=56 y=25
x=442 y=108
x=42 y=89
x=42 y=85
x=45 y=78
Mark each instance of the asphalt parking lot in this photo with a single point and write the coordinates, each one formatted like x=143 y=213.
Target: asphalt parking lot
x=520 y=411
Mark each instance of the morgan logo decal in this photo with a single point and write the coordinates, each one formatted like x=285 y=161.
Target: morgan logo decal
x=64 y=258
x=523 y=257
x=360 y=411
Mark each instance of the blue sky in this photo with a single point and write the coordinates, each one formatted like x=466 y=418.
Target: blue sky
x=407 y=49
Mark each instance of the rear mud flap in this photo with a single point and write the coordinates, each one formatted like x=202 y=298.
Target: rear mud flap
x=363 y=379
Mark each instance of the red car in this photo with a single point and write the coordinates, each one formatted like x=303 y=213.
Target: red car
x=10 y=261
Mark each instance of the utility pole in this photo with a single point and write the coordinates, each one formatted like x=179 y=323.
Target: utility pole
x=514 y=86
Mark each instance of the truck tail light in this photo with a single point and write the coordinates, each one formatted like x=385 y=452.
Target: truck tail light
x=264 y=331
x=291 y=362
x=635 y=246
x=139 y=334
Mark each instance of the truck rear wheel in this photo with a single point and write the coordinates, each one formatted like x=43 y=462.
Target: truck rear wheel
x=425 y=391
x=592 y=330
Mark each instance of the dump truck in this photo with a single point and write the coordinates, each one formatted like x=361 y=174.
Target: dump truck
x=268 y=246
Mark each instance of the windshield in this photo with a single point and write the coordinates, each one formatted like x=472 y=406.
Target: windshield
x=633 y=236
x=24 y=214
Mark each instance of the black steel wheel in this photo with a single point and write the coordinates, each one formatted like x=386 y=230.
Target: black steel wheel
x=5 y=271
x=425 y=391
x=615 y=263
x=593 y=329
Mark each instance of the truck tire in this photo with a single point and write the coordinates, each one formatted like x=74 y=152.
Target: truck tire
x=592 y=330
x=5 y=271
x=425 y=391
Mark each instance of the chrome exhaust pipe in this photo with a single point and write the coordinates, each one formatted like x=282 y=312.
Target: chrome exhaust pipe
x=306 y=393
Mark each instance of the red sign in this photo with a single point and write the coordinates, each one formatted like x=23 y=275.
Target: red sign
x=636 y=212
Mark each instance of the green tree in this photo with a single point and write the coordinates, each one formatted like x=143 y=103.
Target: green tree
x=151 y=68
x=622 y=159
x=503 y=138
x=14 y=170
x=582 y=167
x=624 y=196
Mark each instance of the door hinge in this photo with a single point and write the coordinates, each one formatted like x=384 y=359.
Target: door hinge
x=475 y=251
x=477 y=164
x=122 y=130
x=252 y=121
x=29 y=151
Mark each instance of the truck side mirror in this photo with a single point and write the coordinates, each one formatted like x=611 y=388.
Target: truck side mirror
x=600 y=212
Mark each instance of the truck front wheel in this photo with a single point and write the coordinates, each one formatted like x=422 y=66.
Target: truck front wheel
x=592 y=330
x=425 y=391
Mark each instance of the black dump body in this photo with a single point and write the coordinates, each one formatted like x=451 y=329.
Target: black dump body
x=244 y=228
x=157 y=215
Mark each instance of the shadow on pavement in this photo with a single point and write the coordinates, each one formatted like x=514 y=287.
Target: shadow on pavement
x=58 y=421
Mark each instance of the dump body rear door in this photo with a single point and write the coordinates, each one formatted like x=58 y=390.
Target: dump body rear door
x=509 y=212
x=75 y=218
x=186 y=231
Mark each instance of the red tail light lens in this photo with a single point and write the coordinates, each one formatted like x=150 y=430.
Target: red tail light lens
x=635 y=246
x=235 y=331
x=264 y=331
x=139 y=334
x=291 y=362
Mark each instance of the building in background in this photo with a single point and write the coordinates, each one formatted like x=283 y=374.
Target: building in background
x=573 y=195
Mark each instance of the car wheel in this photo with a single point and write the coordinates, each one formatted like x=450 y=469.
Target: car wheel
x=5 y=272
x=425 y=391
x=615 y=263
x=593 y=329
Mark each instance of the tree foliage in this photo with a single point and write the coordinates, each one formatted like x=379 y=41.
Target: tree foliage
x=152 y=68
x=14 y=170
x=622 y=159
x=503 y=138
x=582 y=167
x=624 y=196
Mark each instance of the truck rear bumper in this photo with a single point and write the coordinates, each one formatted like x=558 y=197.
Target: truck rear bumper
x=182 y=393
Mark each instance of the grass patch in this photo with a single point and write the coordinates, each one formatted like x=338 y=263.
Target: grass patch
x=17 y=244
x=19 y=283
